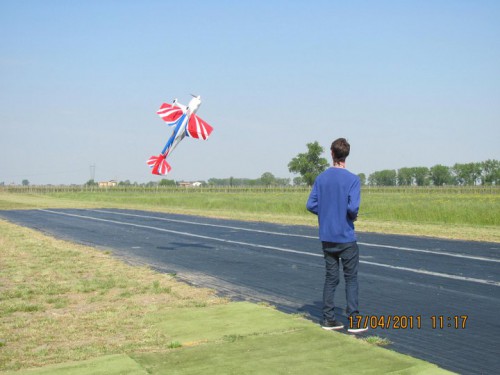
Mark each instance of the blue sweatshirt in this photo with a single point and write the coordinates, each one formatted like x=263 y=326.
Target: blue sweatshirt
x=335 y=198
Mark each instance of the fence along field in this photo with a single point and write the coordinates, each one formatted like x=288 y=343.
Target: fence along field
x=47 y=189
x=472 y=212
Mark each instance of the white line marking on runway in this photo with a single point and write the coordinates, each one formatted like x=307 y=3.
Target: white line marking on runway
x=443 y=253
x=420 y=271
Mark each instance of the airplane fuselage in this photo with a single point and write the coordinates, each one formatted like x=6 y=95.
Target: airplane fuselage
x=178 y=135
x=180 y=129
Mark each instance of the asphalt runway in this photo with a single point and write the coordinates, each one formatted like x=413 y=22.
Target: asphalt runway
x=437 y=300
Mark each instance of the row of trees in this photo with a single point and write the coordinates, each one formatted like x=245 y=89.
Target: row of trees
x=267 y=179
x=163 y=182
x=24 y=183
x=481 y=173
x=310 y=164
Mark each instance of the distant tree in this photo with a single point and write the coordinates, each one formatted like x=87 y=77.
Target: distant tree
x=387 y=177
x=282 y=181
x=125 y=183
x=490 y=172
x=91 y=183
x=310 y=164
x=268 y=179
x=218 y=182
x=362 y=179
x=25 y=182
x=440 y=175
x=467 y=174
x=298 y=181
x=405 y=176
x=165 y=182
x=421 y=174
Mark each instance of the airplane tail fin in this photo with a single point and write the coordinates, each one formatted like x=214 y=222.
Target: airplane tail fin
x=159 y=165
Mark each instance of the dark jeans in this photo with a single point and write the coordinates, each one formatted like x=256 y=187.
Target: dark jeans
x=349 y=253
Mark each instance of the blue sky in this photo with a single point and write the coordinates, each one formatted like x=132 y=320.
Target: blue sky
x=409 y=83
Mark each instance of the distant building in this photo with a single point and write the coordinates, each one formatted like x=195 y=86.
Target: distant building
x=108 y=183
x=189 y=184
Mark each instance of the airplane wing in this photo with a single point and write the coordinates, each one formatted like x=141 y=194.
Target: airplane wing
x=197 y=128
x=170 y=113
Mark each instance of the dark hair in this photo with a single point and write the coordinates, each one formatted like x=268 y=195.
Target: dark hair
x=340 y=149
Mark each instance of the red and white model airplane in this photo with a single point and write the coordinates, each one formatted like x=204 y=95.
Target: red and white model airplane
x=185 y=123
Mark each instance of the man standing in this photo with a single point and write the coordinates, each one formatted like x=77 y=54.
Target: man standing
x=335 y=198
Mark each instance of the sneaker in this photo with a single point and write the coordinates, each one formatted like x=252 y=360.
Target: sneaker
x=355 y=323
x=331 y=325
x=357 y=330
